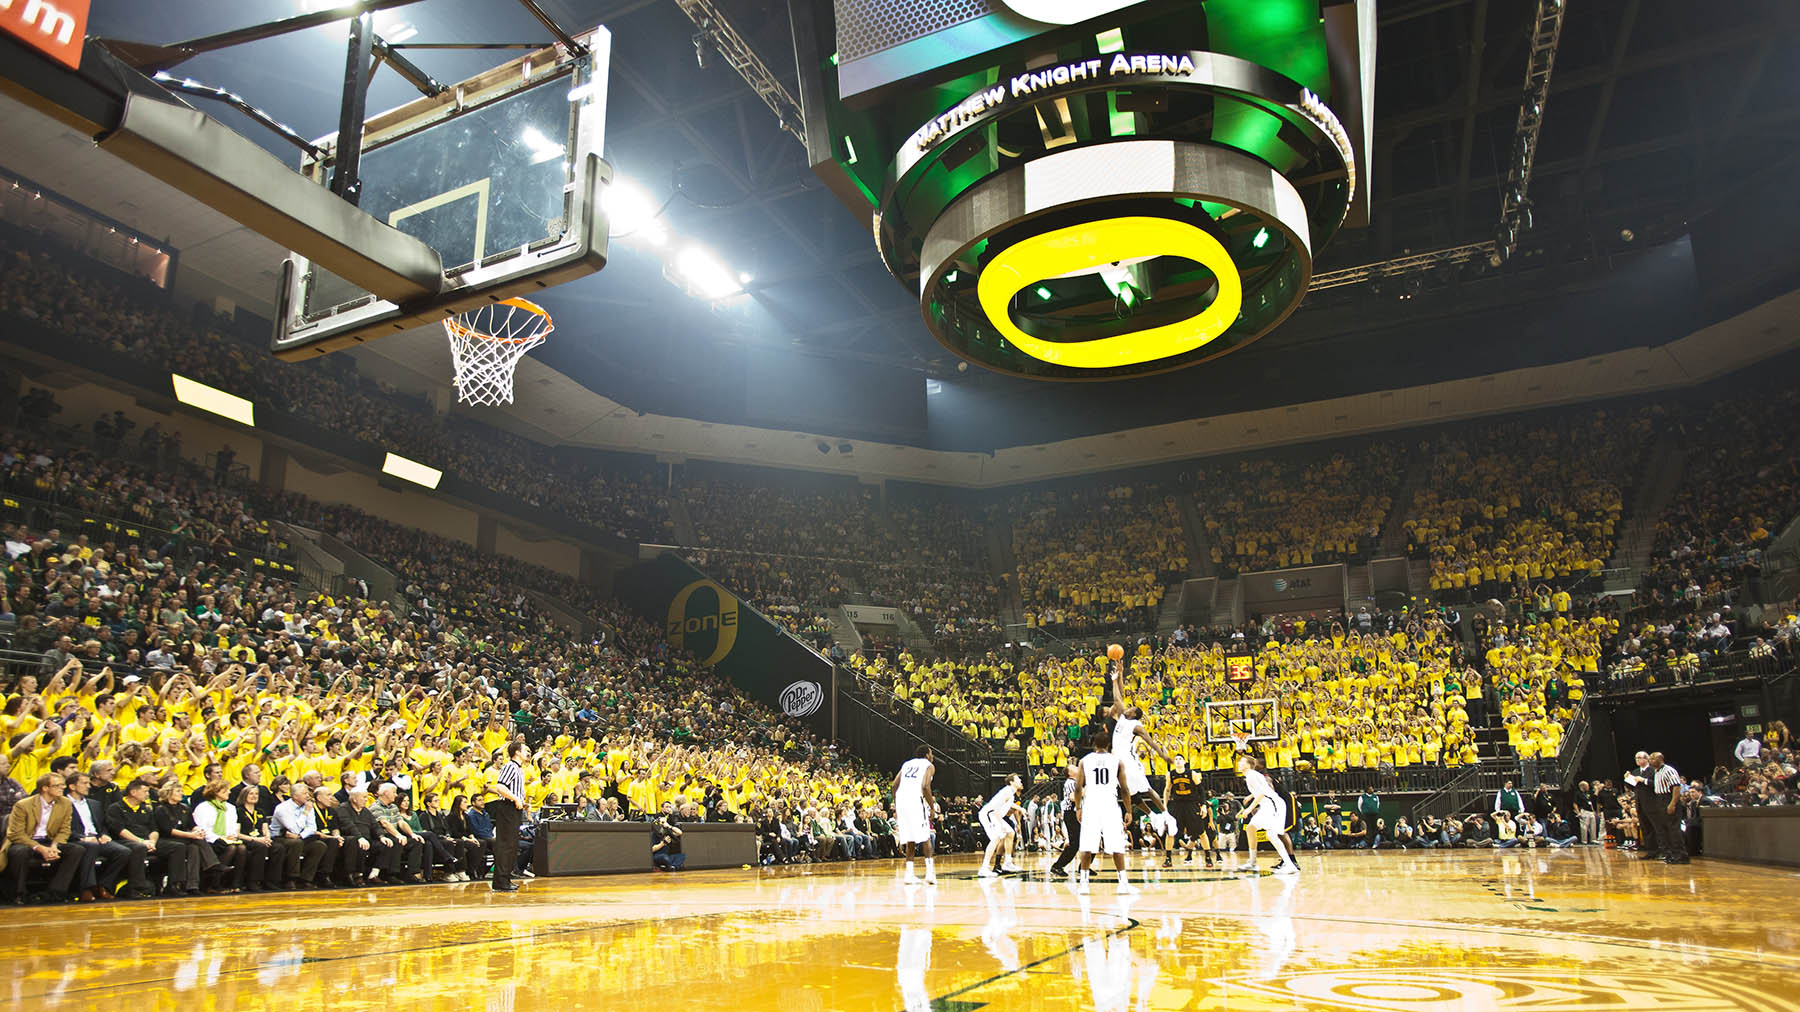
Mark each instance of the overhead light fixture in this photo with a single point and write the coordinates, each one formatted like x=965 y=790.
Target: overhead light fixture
x=632 y=213
x=196 y=394
x=411 y=470
x=704 y=274
x=1043 y=292
x=1260 y=239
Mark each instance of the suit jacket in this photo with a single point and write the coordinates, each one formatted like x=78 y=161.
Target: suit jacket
x=24 y=822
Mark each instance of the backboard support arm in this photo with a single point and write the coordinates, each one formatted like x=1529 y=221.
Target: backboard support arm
x=359 y=66
x=549 y=23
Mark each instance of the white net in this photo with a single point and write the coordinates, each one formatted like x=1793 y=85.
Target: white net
x=487 y=343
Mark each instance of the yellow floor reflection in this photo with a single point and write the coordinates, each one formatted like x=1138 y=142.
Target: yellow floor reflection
x=1546 y=932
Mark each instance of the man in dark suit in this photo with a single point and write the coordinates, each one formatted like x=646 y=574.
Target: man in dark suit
x=1641 y=780
x=107 y=860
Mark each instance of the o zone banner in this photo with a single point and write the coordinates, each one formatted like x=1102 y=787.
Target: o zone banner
x=704 y=618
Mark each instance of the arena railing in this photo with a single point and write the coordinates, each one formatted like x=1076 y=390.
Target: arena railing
x=1472 y=783
x=868 y=731
x=1660 y=676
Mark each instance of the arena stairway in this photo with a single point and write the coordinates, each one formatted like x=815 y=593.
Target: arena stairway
x=1170 y=616
x=1418 y=577
x=565 y=614
x=843 y=631
x=885 y=522
x=1393 y=533
x=1199 y=545
x=383 y=584
x=685 y=531
x=1356 y=586
x=1657 y=485
x=1228 y=605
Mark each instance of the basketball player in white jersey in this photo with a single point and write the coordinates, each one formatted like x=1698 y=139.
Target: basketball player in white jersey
x=1101 y=799
x=912 y=813
x=1128 y=728
x=1265 y=811
x=996 y=818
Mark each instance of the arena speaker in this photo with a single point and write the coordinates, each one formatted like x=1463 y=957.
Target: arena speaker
x=1093 y=189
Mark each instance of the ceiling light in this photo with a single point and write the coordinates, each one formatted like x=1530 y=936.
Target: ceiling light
x=1043 y=293
x=411 y=470
x=632 y=212
x=705 y=275
x=1260 y=240
x=195 y=394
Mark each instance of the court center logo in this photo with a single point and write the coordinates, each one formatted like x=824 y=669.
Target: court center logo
x=703 y=618
x=802 y=699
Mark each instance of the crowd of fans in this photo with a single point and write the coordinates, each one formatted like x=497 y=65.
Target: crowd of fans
x=1272 y=512
x=1095 y=558
x=214 y=715
x=1509 y=506
x=1389 y=696
x=1740 y=487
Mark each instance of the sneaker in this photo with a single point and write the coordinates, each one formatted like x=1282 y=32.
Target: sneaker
x=528 y=873
x=1009 y=866
x=1127 y=889
x=1287 y=869
x=931 y=878
x=986 y=872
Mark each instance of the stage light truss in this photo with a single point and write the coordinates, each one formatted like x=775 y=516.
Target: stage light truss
x=1515 y=204
x=718 y=33
x=1401 y=266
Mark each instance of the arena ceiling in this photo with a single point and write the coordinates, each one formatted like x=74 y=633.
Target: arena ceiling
x=1657 y=108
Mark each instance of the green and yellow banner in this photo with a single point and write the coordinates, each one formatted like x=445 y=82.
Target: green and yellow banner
x=702 y=617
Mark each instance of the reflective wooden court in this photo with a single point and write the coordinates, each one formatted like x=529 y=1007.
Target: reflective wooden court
x=1545 y=931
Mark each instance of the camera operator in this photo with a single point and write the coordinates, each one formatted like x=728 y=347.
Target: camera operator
x=665 y=844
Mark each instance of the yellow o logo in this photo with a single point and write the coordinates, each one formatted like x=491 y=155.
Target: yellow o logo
x=723 y=623
x=1088 y=247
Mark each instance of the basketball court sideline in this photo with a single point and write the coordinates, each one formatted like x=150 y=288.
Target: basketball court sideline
x=1540 y=930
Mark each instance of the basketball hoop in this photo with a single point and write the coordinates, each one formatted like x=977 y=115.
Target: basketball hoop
x=487 y=343
x=1240 y=739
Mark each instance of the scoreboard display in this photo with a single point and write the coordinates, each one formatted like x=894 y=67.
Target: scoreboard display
x=1093 y=189
x=1239 y=667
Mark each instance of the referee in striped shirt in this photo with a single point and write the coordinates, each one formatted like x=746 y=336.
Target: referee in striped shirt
x=1667 y=784
x=505 y=811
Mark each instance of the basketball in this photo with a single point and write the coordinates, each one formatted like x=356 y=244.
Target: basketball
x=1116 y=652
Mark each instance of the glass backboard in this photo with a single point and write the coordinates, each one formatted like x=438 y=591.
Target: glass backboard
x=502 y=176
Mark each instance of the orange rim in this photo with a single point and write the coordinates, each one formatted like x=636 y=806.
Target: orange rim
x=458 y=328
